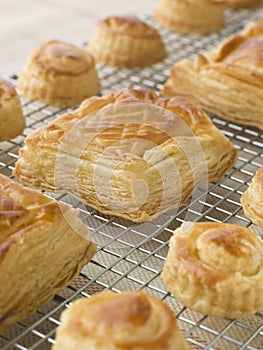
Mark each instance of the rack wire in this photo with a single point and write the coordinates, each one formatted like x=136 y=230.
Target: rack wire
x=131 y=256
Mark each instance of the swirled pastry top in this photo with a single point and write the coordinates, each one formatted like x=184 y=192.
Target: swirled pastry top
x=12 y=121
x=208 y=263
x=227 y=79
x=129 y=25
x=59 y=73
x=126 y=41
x=63 y=58
x=252 y=199
x=128 y=153
x=114 y=321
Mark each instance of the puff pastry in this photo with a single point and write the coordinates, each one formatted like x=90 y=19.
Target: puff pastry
x=128 y=320
x=216 y=269
x=43 y=246
x=127 y=153
x=12 y=121
x=127 y=42
x=60 y=74
x=252 y=199
x=227 y=81
x=236 y=4
x=190 y=16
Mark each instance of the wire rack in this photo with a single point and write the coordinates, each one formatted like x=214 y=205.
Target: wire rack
x=131 y=256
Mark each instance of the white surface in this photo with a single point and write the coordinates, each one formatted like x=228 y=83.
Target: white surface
x=25 y=24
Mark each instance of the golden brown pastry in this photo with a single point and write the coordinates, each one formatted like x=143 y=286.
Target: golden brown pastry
x=60 y=74
x=216 y=269
x=43 y=246
x=12 y=121
x=252 y=199
x=227 y=81
x=190 y=16
x=236 y=4
x=126 y=42
x=127 y=153
x=128 y=320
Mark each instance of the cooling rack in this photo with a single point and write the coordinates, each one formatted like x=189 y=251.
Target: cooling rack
x=131 y=256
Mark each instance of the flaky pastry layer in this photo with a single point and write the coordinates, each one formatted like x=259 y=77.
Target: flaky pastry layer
x=236 y=4
x=60 y=74
x=252 y=199
x=43 y=246
x=216 y=269
x=128 y=320
x=12 y=121
x=127 y=153
x=190 y=16
x=126 y=41
x=227 y=81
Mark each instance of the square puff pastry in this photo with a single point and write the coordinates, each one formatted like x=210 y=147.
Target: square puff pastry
x=12 y=121
x=227 y=81
x=60 y=74
x=127 y=42
x=128 y=153
x=118 y=321
x=216 y=269
x=43 y=246
x=191 y=16
x=252 y=199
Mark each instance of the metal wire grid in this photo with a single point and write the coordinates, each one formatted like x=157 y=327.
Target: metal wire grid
x=131 y=256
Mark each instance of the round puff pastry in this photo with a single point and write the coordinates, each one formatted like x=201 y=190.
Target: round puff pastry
x=59 y=74
x=128 y=320
x=126 y=42
x=12 y=121
x=252 y=199
x=236 y=4
x=216 y=269
x=190 y=16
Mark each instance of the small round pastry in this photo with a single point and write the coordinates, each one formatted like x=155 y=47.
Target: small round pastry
x=216 y=269
x=190 y=16
x=12 y=121
x=126 y=42
x=59 y=74
x=236 y=4
x=118 y=321
x=252 y=199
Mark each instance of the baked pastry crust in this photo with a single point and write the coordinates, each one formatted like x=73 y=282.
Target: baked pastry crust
x=216 y=269
x=128 y=153
x=43 y=246
x=190 y=16
x=12 y=121
x=126 y=42
x=227 y=81
x=236 y=4
x=128 y=320
x=60 y=74
x=252 y=199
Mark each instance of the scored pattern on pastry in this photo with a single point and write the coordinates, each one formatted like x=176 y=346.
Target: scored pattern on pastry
x=128 y=153
x=216 y=269
x=117 y=321
x=227 y=81
x=252 y=199
x=43 y=246
x=12 y=121
x=126 y=41
x=190 y=16
x=59 y=73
